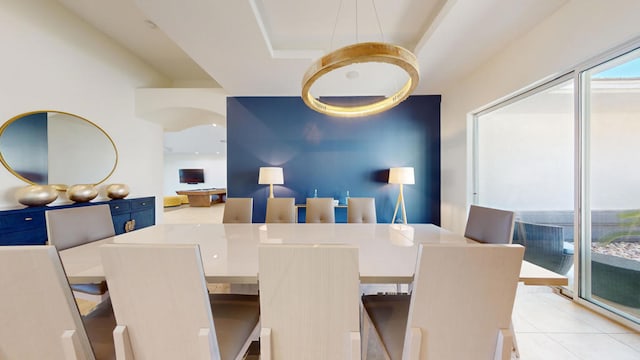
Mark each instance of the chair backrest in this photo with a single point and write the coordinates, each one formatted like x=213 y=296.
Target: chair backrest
x=75 y=226
x=40 y=319
x=160 y=295
x=320 y=210
x=361 y=210
x=489 y=225
x=281 y=210
x=460 y=307
x=309 y=299
x=238 y=210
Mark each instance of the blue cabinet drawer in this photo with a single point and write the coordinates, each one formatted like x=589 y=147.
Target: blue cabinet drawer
x=21 y=220
x=119 y=206
x=142 y=203
x=36 y=236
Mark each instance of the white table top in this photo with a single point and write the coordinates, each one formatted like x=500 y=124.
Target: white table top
x=229 y=252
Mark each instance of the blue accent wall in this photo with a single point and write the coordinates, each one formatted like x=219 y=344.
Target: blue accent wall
x=334 y=155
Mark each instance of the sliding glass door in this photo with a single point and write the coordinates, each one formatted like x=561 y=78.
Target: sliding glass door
x=611 y=230
x=525 y=163
x=572 y=177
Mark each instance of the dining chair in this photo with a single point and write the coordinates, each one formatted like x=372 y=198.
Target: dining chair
x=460 y=307
x=361 y=210
x=309 y=302
x=76 y=226
x=491 y=226
x=238 y=210
x=488 y=225
x=281 y=210
x=163 y=308
x=320 y=210
x=40 y=318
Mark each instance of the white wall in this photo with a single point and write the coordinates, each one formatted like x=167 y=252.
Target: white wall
x=215 y=171
x=577 y=32
x=53 y=60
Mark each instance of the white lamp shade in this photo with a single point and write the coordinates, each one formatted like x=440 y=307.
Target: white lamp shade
x=271 y=175
x=401 y=175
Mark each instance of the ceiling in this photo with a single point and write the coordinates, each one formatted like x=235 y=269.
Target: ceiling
x=263 y=47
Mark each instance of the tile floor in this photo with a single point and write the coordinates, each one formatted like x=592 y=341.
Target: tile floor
x=548 y=326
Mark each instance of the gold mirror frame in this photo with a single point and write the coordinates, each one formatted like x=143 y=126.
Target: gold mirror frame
x=57 y=186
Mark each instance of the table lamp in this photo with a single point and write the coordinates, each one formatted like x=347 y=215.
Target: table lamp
x=401 y=175
x=271 y=175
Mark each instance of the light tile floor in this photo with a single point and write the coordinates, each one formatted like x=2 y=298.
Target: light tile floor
x=548 y=326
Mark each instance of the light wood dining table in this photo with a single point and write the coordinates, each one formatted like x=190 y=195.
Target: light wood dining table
x=387 y=252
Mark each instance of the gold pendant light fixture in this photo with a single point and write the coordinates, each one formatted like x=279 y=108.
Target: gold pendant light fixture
x=366 y=52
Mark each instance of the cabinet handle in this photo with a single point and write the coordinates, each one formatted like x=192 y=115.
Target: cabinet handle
x=116 y=207
x=28 y=219
x=130 y=226
x=143 y=204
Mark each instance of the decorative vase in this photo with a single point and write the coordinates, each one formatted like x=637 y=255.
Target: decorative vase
x=82 y=192
x=36 y=195
x=117 y=191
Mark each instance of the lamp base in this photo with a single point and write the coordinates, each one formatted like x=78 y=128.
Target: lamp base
x=399 y=202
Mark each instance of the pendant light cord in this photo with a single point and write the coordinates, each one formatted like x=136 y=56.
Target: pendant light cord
x=375 y=11
x=335 y=23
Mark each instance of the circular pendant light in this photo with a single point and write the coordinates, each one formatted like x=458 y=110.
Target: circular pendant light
x=361 y=53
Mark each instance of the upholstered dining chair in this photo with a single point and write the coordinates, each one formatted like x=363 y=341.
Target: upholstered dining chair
x=163 y=308
x=238 y=210
x=40 y=318
x=488 y=225
x=458 y=309
x=361 y=210
x=281 y=210
x=491 y=226
x=309 y=302
x=320 y=210
x=75 y=226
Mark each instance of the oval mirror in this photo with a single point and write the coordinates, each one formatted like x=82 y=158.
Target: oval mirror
x=56 y=148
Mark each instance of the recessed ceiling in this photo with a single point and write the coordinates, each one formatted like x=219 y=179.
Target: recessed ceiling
x=263 y=47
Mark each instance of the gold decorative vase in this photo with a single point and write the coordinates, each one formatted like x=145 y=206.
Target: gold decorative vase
x=82 y=192
x=36 y=195
x=117 y=191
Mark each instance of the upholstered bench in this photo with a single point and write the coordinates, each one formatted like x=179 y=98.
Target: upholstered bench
x=175 y=200
x=170 y=201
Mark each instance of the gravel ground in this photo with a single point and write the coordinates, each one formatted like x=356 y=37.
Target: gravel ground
x=628 y=250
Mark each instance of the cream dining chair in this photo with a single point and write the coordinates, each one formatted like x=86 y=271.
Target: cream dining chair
x=309 y=302
x=238 y=210
x=281 y=210
x=491 y=226
x=458 y=309
x=320 y=210
x=361 y=210
x=163 y=308
x=71 y=227
x=39 y=316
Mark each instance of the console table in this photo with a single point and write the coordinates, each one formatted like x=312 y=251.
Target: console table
x=28 y=226
x=202 y=197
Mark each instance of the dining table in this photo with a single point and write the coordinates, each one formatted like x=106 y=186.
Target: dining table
x=229 y=252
